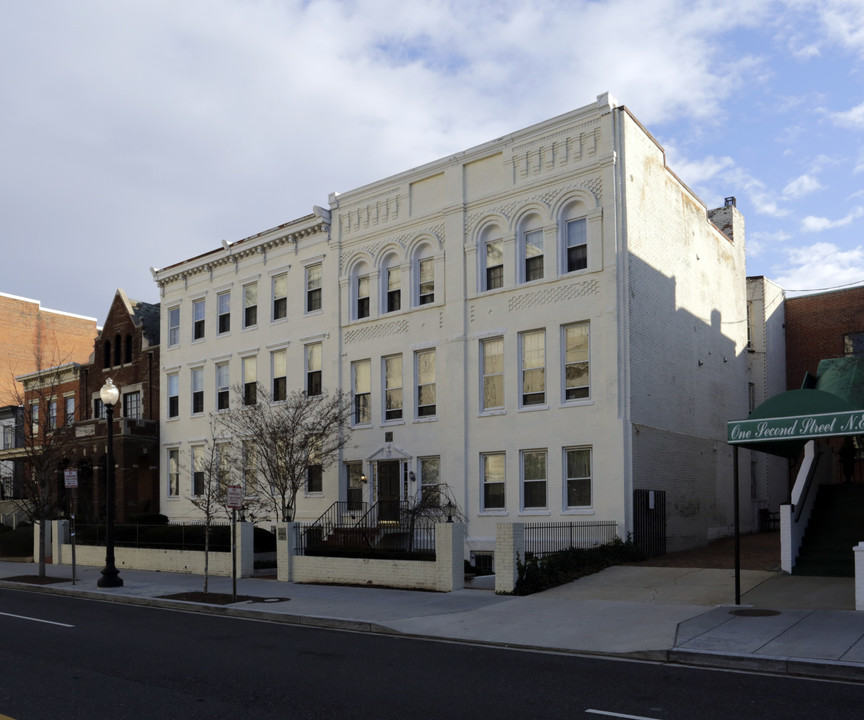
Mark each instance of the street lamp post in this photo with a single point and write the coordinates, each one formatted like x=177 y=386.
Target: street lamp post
x=110 y=575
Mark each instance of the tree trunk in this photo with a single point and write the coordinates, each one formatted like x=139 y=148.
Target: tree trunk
x=206 y=556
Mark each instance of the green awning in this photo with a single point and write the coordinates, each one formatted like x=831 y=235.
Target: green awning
x=830 y=405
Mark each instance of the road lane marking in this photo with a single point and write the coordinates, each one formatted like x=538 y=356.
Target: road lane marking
x=619 y=715
x=24 y=617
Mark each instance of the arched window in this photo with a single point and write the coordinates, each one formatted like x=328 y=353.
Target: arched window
x=423 y=271
x=574 y=240
x=127 y=349
x=118 y=349
x=106 y=354
x=491 y=249
x=530 y=249
x=360 y=288
x=391 y=279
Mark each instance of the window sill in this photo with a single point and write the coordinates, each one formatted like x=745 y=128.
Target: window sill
x=539 y=512
x=196 y=341
x=274 y=321
x=493 y=513
x=249 y=327
x=362 y=426
x=172 y=419
x=577 y=403
x=173 y=498
x=224 y=334
x=310 y=313
x=533 y=408
x=390 y=423
x=426 y=419
x=578 y=511
x=314 y=494
x=491 y=413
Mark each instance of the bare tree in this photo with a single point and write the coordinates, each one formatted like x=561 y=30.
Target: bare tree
x=293 y=440
x=46 y=441
x=214 y=466
x=432 y=504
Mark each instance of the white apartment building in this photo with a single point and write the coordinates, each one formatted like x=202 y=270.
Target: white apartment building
x=551 y=324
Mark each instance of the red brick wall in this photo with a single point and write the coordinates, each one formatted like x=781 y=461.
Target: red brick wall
x=24 y=327
x=815 y=326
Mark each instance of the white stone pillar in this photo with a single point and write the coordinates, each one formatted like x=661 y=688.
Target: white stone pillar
x=449 y=556
x=509 y=547
x=59 y=537
x=859 y=576
x=285 y=541
x=245 y=549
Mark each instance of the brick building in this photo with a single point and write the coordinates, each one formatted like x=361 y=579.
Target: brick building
x=27 y=329
x=822 y=326
x=67 y=398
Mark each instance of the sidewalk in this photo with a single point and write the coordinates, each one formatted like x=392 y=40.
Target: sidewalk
x=785 y=624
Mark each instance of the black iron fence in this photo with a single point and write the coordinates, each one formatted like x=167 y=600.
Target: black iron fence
x=544 y=538
x=404 y=540
x=188 y=536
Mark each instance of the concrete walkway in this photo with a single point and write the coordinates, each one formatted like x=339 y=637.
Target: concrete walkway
x=785 y=624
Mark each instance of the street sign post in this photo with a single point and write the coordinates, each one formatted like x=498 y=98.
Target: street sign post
x=234 y=495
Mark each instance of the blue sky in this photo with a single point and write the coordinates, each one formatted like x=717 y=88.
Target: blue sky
x=140 y=133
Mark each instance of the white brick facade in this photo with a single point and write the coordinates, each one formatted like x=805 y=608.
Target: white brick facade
x=451 y=294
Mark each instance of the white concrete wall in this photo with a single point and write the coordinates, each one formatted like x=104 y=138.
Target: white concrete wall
x=181 y=561
x=685 y=320
x=445 y=574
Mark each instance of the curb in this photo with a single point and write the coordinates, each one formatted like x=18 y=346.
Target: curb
x=778 y=665
x=789 y=666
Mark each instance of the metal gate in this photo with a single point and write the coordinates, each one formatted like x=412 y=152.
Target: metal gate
x=649 y=521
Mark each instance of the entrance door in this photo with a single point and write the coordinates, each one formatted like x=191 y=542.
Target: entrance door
x=388 y=490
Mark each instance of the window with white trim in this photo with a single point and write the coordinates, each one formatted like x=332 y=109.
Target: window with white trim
x=493 y=263
x=174 y=326
x=425 y=281
x=530 y=249
x=173 y=472
x=429 y=469
x=393 y=288
x=198 y=470
x=279 y=370
x=250 y=380
x=576 y=239
x=577 y=477
x=361 y=378
x=492 y=361
x=313 y=287
x=52 y=415
x=69 y=410
x=197 y=390
x=314 y=381
x=393 y=388
x=576 y=361
x=425 y=370
x=492 y=466
x=362 y=308
x=223 y=310
x=533 y=367
x=198 y=316
x=223 y=389
x=250 y=305
x=34 y=419
x=533 y=466
x=315 y=472
x=249 y=472
x=280 y=296
x=173 y=395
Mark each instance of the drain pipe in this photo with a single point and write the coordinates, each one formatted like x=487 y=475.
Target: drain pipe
x=737 y=514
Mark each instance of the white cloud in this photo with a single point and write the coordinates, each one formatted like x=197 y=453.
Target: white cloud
x=853 y=118
x=801 y=186
x=760 y=242
x=820 y=266
x=812 y=223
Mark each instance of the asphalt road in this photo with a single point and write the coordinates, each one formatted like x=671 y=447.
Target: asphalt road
x=66 y=658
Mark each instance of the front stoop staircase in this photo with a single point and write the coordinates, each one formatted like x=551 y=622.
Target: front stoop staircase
x=836 y=526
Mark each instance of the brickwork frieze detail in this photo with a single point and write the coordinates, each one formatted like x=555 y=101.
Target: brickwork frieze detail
x=556 y=294
x=548 y=199
x=379 y=330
